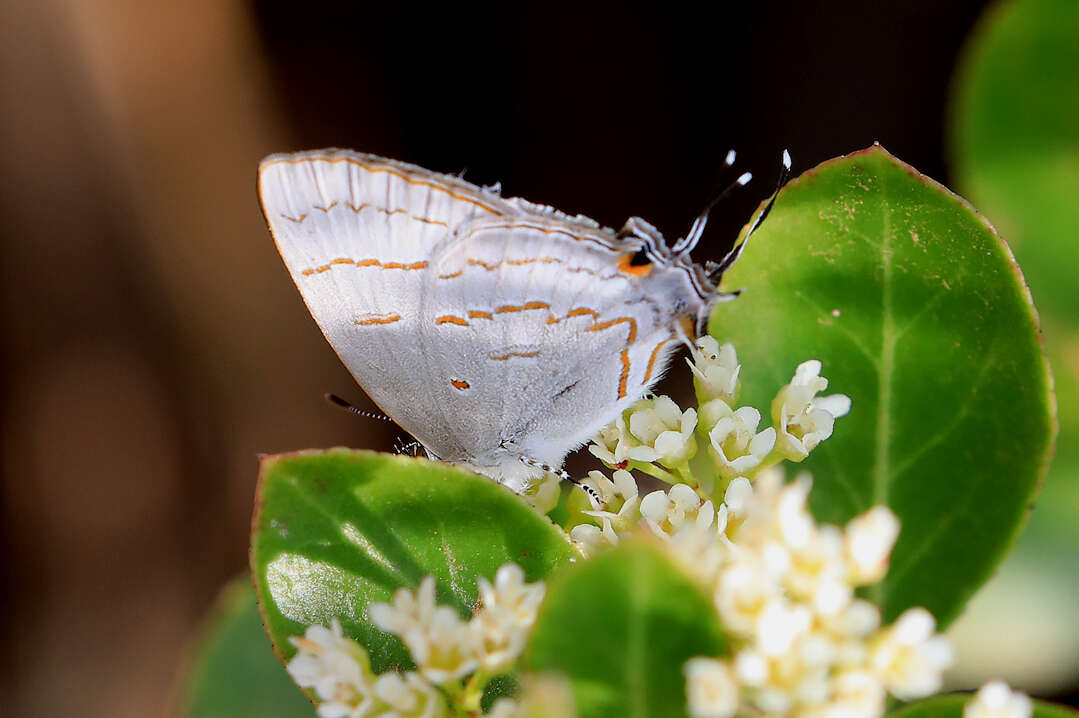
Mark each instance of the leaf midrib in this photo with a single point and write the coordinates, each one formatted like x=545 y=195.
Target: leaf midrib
x=886 y=367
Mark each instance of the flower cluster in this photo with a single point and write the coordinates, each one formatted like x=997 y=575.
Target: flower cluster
x=337 y=669
x=657 y=438
x=445 y=648
x=802 y=643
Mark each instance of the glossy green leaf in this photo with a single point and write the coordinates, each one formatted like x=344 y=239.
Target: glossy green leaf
x=233 y=672
x=621 y=626
x=337 y=530
x=1015 y=147
x=919 y=313
x=951 y=706
x=1015 y=138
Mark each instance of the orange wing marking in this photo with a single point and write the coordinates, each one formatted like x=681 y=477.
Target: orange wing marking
x=297 y=220
x=506 y=308
x=396 y=173
x=507 y=355
x=652 y=360
x=621 y=320
x=626 y=266
x=460 y=384
x=451 y=319
x=490 y=267
x=362 y=263
x=366 y=319
x=578 y=311
x=477 y=314
x=624 y=378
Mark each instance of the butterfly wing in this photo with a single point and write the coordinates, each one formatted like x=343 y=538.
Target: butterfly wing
x=544 y=330
x=490 y=329
x=356 y=233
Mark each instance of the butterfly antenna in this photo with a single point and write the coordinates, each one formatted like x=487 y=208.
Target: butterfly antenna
x=716 y=270
x=338 y=401
x=687 y=243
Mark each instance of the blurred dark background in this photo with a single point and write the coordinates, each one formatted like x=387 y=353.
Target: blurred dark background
x=153 y=342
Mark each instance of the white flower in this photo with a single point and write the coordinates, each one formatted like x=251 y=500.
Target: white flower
x=715 y=370
x=996 y=700
x=779 y=624
x=664 y=430
x=869 y=539
x=443 y=646
x=742 y=591
x=711 y=691
x=509 y=610
x=407 y=696
x=909 y=658
x=856 y=694
x=337 y=668
x=818 y=573
x=668 y=512
x=620 y=499
x=804 y=419
x=591 y=539
x=612 y=444
x=544 y=493
x=738 y=496
x=736 y=446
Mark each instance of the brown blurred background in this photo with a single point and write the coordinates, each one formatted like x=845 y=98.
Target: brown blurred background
x=153 y=343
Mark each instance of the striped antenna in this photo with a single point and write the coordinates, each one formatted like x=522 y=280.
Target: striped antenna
x=716 y=271
x=687 y=243
x=593 y=496
x=338 y=401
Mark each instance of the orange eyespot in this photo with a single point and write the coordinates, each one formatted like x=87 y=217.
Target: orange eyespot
x=636 y=265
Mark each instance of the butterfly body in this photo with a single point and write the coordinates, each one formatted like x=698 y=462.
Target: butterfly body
x=500 y=333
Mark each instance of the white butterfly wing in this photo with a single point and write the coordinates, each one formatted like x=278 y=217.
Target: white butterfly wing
x=544 y=331
x=356 y=233
x=490 y=329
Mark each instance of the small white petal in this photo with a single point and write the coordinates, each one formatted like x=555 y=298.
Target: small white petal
x=762 y=443
x=684 y=497
x=654 y=506
x=748 y=416
x=838 y=405
x=738 y=495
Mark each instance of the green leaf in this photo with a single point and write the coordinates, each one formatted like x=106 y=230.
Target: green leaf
x=951 y=706
x=1015 y=147
x=621 y=626
x=336 y=530
x=1015 y=138
x=233 y=672
x=919 y=313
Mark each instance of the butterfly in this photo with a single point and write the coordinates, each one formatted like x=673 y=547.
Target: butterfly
x=500 y=333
